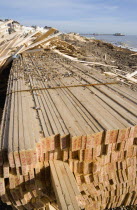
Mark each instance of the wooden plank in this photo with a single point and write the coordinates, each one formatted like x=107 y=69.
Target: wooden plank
x=41 y=41
x=6 y=22
x=26 y=39
x=63 y=186
x=45 y=35
x=50 y=207
x=57 y=188
x=71 y=184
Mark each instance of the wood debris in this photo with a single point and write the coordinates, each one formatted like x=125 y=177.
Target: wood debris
x=65 y=47
x=18 y=42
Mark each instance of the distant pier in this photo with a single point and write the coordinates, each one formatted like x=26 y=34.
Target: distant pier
x=88 y=34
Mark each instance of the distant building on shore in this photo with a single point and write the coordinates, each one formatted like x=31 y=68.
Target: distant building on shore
x=118 y=34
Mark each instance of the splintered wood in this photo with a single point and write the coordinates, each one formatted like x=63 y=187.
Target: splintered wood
x=93 y=129
x=17 y=42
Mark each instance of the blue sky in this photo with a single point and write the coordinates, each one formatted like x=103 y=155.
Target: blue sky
x=91 y=16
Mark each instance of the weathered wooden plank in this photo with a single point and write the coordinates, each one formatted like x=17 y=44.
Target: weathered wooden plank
x=57 y=187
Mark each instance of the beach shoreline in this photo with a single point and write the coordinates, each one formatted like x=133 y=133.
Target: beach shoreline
x=127 y=41
x=100 y=51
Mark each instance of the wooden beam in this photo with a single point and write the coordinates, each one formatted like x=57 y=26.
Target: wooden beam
x=45 y=35
x=6 y=22
x=57 y=188
x=41 y=41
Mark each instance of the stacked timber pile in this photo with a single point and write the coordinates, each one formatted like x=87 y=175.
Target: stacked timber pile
x=56 y=109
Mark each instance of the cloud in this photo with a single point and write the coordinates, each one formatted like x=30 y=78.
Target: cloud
x=73 y=15
x=54 y=4
x=110 y=7
x=55 y=9
x=34 y=4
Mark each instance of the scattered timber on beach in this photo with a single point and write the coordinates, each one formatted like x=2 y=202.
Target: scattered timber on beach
x=18 y=42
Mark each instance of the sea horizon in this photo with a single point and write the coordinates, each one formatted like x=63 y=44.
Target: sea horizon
x=126 y=41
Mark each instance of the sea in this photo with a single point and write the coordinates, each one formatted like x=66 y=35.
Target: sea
x=127 y=41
